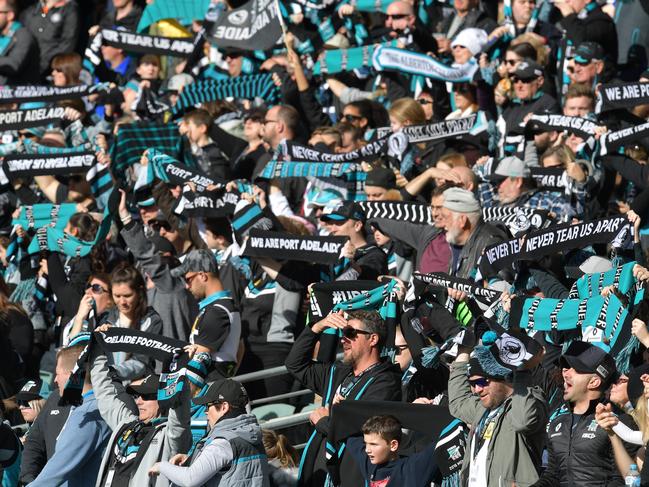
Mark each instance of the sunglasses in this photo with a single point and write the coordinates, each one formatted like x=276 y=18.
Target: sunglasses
x=424 y=101
x=23 y=404
x=400 y=349
x=397 y=16
x=96 y=289
x=481 y=382
x=146 y=397
x=351 y=118
x=511 y=62
x=189 y=280
x=352 y=333
x=524 y=81
x=157 y=225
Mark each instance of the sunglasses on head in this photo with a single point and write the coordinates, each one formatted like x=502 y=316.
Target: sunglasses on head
x=481 y=382
x=96 y=288
x=352 y=333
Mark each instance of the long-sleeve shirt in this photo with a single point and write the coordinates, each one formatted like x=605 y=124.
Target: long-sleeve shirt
x=79 y=448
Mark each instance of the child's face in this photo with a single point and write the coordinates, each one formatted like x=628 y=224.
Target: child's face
x=148 y=71
x=194 y=132
x=379 y=450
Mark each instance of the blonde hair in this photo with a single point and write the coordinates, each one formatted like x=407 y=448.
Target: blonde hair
x=641 y=416
x=408 y=111
x=37 y=405
x=277 y=446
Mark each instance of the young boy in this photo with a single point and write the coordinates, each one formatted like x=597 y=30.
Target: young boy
x=378 y=459
x=209 y=157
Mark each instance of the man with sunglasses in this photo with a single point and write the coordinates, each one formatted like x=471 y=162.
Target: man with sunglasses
x=139 y=439
x=507 y=414
x=528 y=87
x=217 y=328
x=361 y=375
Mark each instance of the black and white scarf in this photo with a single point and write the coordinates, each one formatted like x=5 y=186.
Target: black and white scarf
x=551 y=240
x=20 y=165
x=134 y=42
x=207 y=204
x=517 y=219
x=21 y=94
x=443 y=280
x=473 y=125
x=610 y=142
x=281 y=245
x=32 y=117
x=583 y=127
x=407 y=211
x=621 y=95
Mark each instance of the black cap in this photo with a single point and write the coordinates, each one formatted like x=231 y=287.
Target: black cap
x=33 y=389
x=528 y=70
x=381 y=177
x=635 y=387
x=587 y=52
x=224 y=390
x=148 y=388
x=347 y=210
x=587 y=358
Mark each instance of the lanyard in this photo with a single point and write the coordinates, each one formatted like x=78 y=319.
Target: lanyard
x=346 y=389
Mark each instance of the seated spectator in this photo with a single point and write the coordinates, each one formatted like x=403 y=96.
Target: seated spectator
x=282 y=459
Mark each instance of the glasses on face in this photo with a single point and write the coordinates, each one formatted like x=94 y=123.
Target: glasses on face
x=265 y=122
x=424 y=101
x=481 y=382
x=146 y=397
x=23 y=404
x=511 y=62
x=157 y=225
x=518 y=80
x=397 y=16
x=457 y=46
x=189 y=279
x=351 y=118
x=352 y=333
x=96 y=288
x=400 y=349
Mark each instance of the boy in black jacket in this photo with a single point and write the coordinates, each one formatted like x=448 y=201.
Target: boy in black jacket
x=378 y=459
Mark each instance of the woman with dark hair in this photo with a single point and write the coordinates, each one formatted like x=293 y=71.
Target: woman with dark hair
x=99 y=294
x=66 y=69
x=131 y=310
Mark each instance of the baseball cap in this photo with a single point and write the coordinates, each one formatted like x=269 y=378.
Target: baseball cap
x=381 y=177
x=224 y=390
x=592 y=265
x=148 y=387
x=473 y=39
x=587 y=358
x=347 y=210
x=33 y=389
x=513 y=167
x=460 y=200
x=587 y=52
x=528 y=70
x=198 y=260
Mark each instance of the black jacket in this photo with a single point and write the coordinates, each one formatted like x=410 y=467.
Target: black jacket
x=579 y=456
x=41 y=437
x=596 y=26
x=515 y=112
x=382 y=383
x=19 y=62
x=55 y=31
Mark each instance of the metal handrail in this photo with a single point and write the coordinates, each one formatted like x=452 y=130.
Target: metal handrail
x=286 y=421
x=267 y=373
x=279 y=397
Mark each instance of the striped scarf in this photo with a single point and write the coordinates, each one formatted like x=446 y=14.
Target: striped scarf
x=242 y=87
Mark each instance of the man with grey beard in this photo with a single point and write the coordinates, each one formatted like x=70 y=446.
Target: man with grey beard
x=466 y=232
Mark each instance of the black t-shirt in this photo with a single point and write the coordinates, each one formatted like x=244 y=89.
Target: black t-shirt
x=214 y=323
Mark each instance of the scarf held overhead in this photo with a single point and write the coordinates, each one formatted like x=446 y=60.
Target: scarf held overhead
x=441 y=279
x=279 y=245
x=33 y=117
x=473 y=125
x=132 y=42
x=255 y=25
x=16 y=166
x=621 y=95
x=582 y=127
x=407 y=211
x=20 y=94
x=548 y=241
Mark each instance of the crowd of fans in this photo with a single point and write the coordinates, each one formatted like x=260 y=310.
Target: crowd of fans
x=431 y=213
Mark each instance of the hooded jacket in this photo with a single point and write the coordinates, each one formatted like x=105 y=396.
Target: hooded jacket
x=232 y=455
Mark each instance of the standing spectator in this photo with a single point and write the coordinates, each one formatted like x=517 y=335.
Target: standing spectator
x=362 y=374
x=125 y=14
x=579 y=452
x=584 y=20
x=18 y=49
x=507 y=414
x=82 y=441
x=55 y=26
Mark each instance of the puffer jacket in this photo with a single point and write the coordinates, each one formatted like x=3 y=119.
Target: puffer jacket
x=579 y=455
x=517 y=440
